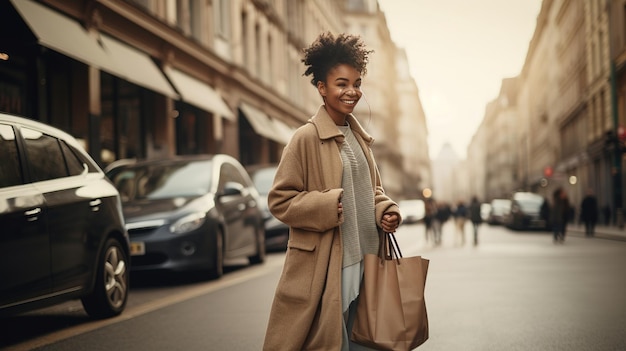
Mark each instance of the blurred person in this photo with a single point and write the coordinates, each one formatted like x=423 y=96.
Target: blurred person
x=589 y=212
x=544 y=213
x=475 y=217
x=327 y=188
x=430 y=212
x=443 y=215
x=559 y=214
x=460 y=216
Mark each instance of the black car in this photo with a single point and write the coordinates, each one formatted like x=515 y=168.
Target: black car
x=525 y=212
x=189 y=213
x=276 y=232
x=62 y=232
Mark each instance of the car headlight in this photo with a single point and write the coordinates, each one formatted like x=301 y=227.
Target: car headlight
x=188 y=223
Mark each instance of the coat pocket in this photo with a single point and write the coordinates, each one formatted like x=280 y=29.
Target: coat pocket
x=299 y=271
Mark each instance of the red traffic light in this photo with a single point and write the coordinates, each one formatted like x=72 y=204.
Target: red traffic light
x=547 y=172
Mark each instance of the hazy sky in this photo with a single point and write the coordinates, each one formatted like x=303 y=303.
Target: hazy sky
x=459 y=51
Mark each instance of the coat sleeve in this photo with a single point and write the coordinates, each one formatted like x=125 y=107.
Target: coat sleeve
x=383 y=203
x=291 y=202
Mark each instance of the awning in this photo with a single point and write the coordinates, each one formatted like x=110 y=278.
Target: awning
x=66 y=36
x=199 y=94
x=261 y=123
x=136 y=67
x=285 y=131
x=61 y=33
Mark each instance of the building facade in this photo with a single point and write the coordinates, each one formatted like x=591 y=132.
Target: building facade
x=569 y=107
x=156 y=78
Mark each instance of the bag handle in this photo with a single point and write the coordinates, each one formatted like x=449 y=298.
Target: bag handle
x=389 y=248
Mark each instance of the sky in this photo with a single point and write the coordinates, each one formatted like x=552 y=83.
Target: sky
x=459 y=51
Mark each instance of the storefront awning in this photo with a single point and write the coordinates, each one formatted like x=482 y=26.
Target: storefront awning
x=199 y=94
x=283 y=130
x=66 y=36
x=61 y=33
x=135 y=66
x=261 y=123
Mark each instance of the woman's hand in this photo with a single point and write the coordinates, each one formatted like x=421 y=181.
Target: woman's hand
x=390 y=222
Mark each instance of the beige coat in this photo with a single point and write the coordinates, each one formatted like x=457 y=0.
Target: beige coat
x=306 y=312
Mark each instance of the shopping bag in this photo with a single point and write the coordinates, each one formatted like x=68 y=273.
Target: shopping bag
x=391 y=310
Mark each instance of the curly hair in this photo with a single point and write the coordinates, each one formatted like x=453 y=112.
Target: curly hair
x=328 y=51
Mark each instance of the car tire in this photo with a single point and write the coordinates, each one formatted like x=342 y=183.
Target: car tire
x=110 y=292
x=217 y=266
x=260 y=246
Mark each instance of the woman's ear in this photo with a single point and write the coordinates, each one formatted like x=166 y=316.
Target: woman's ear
x=321 y=88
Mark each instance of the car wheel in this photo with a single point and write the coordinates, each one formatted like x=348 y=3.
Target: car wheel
x=110 y=292
x=217 y=268
x=260 y=246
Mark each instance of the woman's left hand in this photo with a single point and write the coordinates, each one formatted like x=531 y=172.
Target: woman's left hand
x=390 y=222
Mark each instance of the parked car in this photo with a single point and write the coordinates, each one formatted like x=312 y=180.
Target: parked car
x=276 y=232
x=189 y=213
x=499 y=209
x=485 y=209
x=62 y=231
x=525 y=212
x=412 y=210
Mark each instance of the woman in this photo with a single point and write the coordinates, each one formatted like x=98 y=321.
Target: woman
x=475 y=217
x=559 y=214
x=328 y=190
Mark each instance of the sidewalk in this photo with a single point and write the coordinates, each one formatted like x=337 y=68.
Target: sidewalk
x=602 y=231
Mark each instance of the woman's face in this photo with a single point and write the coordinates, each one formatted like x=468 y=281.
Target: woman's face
x=341 y=91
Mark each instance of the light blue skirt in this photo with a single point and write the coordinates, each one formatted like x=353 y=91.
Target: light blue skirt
x=350 y=284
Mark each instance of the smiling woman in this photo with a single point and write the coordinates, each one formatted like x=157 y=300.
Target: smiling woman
x=327 y=189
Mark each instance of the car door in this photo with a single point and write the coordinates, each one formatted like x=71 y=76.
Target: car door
x=235 y=207
x=24 y=242
x=69 y=206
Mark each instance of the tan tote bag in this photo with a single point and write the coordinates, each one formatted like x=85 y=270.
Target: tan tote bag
x=391 y=310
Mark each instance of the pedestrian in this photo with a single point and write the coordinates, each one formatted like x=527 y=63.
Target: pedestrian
x=559 y=214
x=589 y=213
x=327 y=188
x=430 y=212
x=443 y=215
x=475 y=217
x=460 y=216
x=544 y=213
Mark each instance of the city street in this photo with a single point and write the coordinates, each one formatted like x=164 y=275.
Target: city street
x=513 y=291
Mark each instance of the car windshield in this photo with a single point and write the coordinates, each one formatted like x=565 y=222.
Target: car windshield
x=500 y=206
x=532 y=205
x=263 y=180
x=162 y=181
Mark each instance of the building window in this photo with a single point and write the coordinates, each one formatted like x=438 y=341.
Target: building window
x=270 y=51
x=244 y=39
x=603 y=117
x=222 y=18
x=195 y=18
x=122 y=127
x=257 y=43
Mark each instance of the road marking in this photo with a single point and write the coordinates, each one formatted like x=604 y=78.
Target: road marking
x=225 y=281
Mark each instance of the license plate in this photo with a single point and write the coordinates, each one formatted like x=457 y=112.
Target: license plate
x=137 y=248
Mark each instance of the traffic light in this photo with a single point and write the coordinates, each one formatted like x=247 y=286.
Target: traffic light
x=548 y=171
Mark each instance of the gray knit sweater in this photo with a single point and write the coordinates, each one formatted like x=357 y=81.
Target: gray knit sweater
x=359 y=232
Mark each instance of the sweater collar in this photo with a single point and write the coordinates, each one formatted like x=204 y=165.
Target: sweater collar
x=327 y=129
